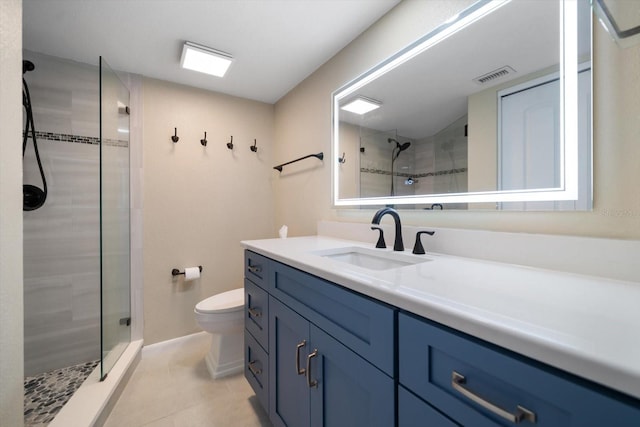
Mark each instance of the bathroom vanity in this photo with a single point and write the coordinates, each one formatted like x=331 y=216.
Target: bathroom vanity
x=431 y=340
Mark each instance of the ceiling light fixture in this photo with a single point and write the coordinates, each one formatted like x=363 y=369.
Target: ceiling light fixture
x=205 y=59
x=362 y=105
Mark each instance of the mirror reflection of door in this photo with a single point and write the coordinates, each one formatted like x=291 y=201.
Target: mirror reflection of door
x=529 y=152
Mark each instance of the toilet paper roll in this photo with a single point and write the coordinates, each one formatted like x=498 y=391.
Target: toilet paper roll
x=191 y=273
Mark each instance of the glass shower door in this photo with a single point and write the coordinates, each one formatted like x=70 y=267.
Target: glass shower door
x=115 y=304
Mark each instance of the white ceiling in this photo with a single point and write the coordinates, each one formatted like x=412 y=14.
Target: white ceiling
x=275 y=43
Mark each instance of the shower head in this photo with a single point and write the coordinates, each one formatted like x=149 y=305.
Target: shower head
x=402 y=147
x=399 y=147
x=27 y=66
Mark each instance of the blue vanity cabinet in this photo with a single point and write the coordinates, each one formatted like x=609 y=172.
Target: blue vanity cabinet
x=319 y=354
x=256 y=323
x=480 y=385
x=317 y=381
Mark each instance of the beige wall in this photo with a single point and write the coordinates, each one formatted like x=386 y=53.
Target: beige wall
x=11 y=300
x=303 y=124
x=483 y=133
x=200 y=202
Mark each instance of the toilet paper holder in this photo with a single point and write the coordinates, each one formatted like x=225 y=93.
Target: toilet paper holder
x=176 y=272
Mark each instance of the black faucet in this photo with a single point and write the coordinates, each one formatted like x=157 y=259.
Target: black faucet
x=397 y=244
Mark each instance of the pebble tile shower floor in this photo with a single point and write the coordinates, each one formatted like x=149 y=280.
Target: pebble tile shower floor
x=46 y=394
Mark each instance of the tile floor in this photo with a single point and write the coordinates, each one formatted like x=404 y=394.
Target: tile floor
x=47 y=393
x=171 y=387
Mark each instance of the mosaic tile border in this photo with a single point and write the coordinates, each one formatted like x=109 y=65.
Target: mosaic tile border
x=78 y=139
x=47 y=393
x=414 y=175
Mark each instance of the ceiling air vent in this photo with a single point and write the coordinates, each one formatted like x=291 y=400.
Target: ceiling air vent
x=495 y=75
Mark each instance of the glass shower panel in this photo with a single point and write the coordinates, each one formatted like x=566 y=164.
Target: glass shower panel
x=114 y=218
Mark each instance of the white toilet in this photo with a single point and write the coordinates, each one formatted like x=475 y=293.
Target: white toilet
x=222 y=316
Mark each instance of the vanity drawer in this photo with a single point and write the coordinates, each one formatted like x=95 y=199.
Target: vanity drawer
x=362 y=324
x=431 y=357
x=414 y=412
x=256 y=313
x=256 y=369
x=256 y=268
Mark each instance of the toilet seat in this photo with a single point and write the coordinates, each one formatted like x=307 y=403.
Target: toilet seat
x=222 y=303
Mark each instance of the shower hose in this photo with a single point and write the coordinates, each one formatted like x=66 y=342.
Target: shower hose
x=33 y=197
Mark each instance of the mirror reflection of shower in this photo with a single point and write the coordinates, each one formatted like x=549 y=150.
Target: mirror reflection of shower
x=395 y=152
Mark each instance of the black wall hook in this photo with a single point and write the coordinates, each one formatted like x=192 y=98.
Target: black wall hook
x=230 y=143
x=175 y=138
x=253 y=147
x=204 y=141
x=342 y=159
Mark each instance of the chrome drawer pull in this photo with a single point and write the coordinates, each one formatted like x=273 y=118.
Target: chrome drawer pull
x=298 y=347
x=254 y=269
x=458 y=381
x=254 y=313
x=311 y=383
x=253 y=369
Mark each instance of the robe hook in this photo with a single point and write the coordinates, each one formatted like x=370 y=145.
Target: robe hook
x=253 y=147
x=230 y=143
x=175 y=138
x=204 y=140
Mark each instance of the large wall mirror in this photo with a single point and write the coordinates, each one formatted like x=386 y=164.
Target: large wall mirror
x=490 y=110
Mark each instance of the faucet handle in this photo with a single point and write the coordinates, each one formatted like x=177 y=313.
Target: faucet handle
x=381 y=244
x=418 y=249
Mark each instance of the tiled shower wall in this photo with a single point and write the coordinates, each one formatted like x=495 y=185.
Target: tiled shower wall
x=61 y=239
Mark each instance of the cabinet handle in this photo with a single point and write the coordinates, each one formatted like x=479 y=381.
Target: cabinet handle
x=458 y=381
x=253 y=369
x=298 y=347
x=254 y=268
x=253 y=312
x=311 y=383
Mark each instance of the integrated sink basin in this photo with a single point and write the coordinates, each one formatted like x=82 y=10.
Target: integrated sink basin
x=372 y=259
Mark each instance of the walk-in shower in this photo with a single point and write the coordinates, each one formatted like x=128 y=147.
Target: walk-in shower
x=76 y=245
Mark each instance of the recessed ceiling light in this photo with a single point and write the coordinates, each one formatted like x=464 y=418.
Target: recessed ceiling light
x=205 y=59
x=361 y=105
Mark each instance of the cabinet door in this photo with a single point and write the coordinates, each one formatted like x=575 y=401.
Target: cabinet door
x=349 y=391
x=288 y=390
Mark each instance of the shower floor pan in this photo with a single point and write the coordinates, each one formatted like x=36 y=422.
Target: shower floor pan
x=46 y=394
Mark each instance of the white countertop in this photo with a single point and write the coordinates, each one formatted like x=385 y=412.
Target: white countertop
x=588 y=326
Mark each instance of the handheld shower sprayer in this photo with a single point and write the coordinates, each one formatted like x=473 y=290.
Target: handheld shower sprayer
x=32 y=196
x=394 y=156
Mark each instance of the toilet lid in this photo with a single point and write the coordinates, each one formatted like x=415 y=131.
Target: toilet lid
x=220 y=303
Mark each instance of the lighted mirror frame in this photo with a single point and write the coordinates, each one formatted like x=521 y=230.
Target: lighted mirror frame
x=568 y=189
